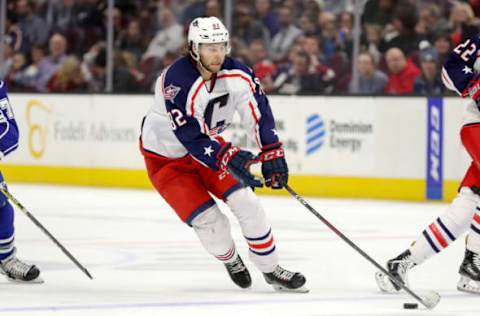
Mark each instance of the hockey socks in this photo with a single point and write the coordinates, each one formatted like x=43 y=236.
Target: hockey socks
x=6 y=230
x=444 y=230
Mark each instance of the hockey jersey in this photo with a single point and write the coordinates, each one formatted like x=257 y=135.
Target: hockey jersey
x=461 y=65
x=189 y=112
x=8 y=126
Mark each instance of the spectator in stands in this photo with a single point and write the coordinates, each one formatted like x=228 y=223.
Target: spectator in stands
x=462 y=22
x=12 y=42
x=192 y=11
x=132 y=39
x=213 y=8
x=26 y=79
x=68 y=77
x=443 y=45
x=429 y=82
x=371 y=81
x=337 y=6
x=374 y=43
x=170 y=38
x=146 y=18
x=379 y=11
x=261 y=65
x=123 y=79
x=34 y=29
x=90 y=18
x=267 y=16
x=298 y=79
x=402 y=72
x=49 y=64
x=430 y=21
x=17 y=66
x=309 y=26
x=311 y=8
x=286 y=36
x=246 y=28
x=328 y=26
x=62 y=17
x=404 y=37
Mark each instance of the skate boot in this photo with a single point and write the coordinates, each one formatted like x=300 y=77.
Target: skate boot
x=470 y=273
x=286 y=281
x=19 y=271
x=398 y=267
x=239 y=273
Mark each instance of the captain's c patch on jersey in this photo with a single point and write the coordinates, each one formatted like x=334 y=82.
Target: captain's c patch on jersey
x=170 y=92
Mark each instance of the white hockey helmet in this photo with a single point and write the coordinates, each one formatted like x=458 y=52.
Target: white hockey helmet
x=206 y=31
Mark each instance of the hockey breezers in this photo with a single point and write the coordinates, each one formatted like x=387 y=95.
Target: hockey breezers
x=429 y=299
x=42 y=228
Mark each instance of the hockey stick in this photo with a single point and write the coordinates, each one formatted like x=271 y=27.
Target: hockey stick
x=430 y=299
x=39 y=225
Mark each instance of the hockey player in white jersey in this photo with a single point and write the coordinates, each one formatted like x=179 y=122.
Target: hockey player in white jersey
x=460 y=74
x=188 y=162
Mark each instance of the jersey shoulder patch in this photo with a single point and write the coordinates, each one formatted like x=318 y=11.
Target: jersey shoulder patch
x=170 y=92
x=178 y=81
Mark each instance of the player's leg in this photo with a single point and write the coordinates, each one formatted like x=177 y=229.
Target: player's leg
x=213 y=229
x=437 y=236
x=257 y=231
x=470 y=267
x=180 y=185
x=10 y=265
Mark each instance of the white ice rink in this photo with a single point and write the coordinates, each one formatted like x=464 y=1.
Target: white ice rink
x=146 y=262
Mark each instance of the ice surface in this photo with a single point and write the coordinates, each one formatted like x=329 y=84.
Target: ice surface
x=146 y=262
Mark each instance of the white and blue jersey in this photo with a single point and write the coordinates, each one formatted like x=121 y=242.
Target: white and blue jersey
x=8 y=126
x=460 y=67
x=188 y=112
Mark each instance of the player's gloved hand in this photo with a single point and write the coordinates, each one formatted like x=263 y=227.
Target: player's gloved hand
x=274 y=166
x=238 y=163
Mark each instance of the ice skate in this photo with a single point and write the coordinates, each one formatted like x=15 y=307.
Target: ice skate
x=470 y=273
x=286 y=281
x=398 y=267
x=18 y=271
x=239 y=273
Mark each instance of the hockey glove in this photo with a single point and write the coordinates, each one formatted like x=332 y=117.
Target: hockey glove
x=238 y=163
x=274 y=166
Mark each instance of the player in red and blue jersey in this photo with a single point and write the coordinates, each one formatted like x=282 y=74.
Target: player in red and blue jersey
x=10 y=266
x=460 y=73
x=188 y=161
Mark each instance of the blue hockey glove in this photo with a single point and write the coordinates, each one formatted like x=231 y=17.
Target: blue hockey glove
x=238 y=163
x=274 y=166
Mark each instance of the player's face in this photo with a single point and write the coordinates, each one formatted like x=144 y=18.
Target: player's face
x=213 y=56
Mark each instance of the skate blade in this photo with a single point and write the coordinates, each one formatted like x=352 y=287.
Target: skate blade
x=279 y=288
x=465 y=285
x=38 y=280
x=384 y=283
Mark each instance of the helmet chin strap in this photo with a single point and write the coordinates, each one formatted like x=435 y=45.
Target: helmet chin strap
x=200 y=64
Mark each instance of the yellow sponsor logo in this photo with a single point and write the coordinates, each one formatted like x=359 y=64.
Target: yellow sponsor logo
x=37 y=133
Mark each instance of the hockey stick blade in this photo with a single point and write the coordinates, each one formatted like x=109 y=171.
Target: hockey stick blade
x=430 y=299
x=43 y=229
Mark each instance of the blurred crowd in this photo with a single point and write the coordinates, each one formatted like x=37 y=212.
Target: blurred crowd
x=294 y=46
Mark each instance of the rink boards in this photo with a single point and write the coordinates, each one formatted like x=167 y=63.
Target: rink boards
x=371 y=147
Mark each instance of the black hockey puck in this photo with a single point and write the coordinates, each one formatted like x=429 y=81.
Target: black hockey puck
x=410 y=305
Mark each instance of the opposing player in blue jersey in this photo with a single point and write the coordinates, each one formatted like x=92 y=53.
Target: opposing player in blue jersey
x=188 y=162
x=10 y=265
x=461 y=74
